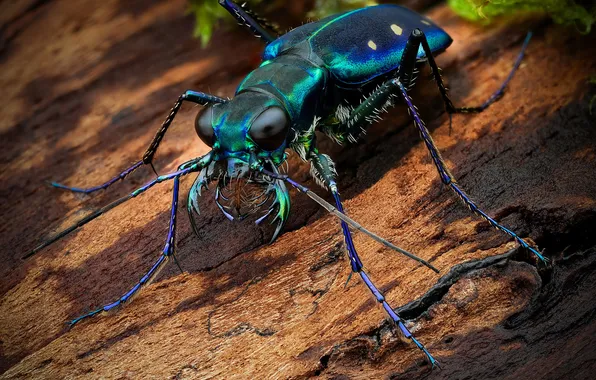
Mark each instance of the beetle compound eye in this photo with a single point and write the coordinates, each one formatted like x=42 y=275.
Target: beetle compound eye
x=270 y=128
x=204 y=127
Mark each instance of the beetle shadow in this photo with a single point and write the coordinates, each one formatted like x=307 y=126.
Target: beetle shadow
x=105 y=276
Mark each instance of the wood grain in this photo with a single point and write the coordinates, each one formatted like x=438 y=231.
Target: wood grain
x=85 y=87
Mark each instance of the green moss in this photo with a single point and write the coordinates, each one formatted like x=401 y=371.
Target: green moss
x=566 y=12
x=207 y=14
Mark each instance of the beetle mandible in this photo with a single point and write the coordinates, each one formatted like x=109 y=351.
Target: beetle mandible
x=311 y=79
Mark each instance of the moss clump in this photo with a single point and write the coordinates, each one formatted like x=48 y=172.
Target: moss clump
x=207 y=13
x=566 y=12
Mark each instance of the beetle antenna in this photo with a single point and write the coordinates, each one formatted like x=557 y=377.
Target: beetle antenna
x=334 y=211
x=193 y=168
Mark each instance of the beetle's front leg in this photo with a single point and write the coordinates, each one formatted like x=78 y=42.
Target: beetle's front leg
x=200 y=98
x=167 y=252
x=323 y=169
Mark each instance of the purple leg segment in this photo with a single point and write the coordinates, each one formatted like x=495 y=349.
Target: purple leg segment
x=168 y=251
x=353 y=255
x=448 y=178
x=499 y=93
x=90 y=190
x=357 y=268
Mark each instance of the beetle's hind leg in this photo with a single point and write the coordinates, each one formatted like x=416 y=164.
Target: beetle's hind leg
x=200 y=98
x=246 y=17
x=324 y=172
x=167 y=252
x=408 y=64
x=382 y=95
x=446 y=176
x=497 y=94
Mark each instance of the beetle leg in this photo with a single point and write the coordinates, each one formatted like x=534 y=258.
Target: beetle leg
x=367 y=112
x=192 y=204
x=447 y=177
x=167 y=251
x=200 y=98
x=408 y=62
x=90 y=190
x=191 y=96
x=372 y=105
x=382 y=95
x=246 y=17
x=493 y=98
x=324 y=171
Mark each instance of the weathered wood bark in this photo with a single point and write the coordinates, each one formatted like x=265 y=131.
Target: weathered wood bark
x=86 y=86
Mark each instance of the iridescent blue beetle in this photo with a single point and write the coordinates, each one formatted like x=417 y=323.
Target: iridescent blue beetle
x=335 y=76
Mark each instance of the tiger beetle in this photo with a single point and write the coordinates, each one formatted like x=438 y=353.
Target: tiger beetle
x=311 y=79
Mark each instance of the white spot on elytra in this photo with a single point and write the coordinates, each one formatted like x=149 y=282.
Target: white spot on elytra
x=372 y=45
x=425 y=22
x=396 y=29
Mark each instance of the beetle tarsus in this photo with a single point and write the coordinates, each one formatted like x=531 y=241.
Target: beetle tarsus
x=103 y=186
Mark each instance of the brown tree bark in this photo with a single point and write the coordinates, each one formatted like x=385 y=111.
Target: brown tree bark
x=85 y=87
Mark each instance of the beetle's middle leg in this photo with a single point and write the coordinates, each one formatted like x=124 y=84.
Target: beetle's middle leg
x=323 y=170
x=200 y=98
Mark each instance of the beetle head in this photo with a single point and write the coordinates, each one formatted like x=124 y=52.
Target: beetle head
x=247 y=134
x=252 y=128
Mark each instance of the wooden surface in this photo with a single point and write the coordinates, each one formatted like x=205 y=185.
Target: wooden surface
x=85 y=87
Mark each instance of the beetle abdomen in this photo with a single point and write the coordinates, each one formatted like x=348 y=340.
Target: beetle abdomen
x=359 y=45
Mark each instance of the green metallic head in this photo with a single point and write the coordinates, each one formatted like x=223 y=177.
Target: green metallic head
x=252 y=127
x=247 y=134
